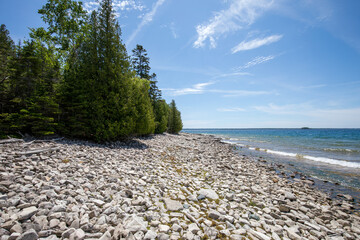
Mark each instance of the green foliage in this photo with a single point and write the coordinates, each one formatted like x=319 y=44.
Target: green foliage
x=74 y=77
x=66 y=21
x=31 y=106
x=162 y=111
x=143 y=114
x=7 y=53
x=174 y=124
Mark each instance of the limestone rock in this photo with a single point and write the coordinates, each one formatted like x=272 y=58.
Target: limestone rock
x=209 y=193
x=172 y=205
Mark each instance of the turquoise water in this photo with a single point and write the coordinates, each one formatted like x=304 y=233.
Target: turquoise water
x=326 y=154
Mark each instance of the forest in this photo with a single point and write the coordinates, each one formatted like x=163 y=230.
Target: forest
x=75 y=78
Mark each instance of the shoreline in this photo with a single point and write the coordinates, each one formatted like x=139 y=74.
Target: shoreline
x=187 y=186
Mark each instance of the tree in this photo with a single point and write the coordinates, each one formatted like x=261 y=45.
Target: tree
x=174 y=124
x=66 y=21
x=7 y=53
x=161 y=111
x=141 y=64
x=32 y=107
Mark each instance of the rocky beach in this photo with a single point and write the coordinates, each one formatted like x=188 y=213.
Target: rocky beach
x=184 y=186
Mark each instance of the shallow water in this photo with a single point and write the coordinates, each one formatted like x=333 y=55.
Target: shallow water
x=330 y=155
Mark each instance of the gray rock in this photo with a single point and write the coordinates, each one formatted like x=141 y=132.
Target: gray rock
x=236 y=237
x=29 y=235
x=150 y=235
x=58 y=208
x=164 y=228
x=27 y=213
x=290 y=196
x=98 y=202
x=134 y=224
x=16 y=228
x=209 y=193
x=163 y=236
x=214 y=214
x=259 y=235
x=106 y=236
x=79 y=234
x=193 y=227
x=201 y=197
x=139 y=235
x=67 y=233
x=254 y=216
x=172 y=205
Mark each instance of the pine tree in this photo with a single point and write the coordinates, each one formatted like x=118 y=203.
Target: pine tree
x=141 y=64
x=7 y=53
x=161 y=111
x=174 y=124
x=33 y=108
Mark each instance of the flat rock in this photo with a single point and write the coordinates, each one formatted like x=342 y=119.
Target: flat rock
x=27 y=213
x=134 y=224
x=214 y=214
x=209 y=193
x=172 y=205
x=29 y=235
x=150 y=235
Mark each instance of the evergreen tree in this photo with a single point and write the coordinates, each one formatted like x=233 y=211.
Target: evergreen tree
x=101 y=99
x=141 y=64
x=161 y=110
x=7 y=53
x=174 y=124
x=32 y=107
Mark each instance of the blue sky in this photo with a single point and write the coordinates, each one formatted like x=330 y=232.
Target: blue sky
x=241 y=63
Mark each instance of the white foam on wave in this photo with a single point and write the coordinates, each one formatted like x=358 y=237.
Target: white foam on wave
x=316 y=159
x=228 y=142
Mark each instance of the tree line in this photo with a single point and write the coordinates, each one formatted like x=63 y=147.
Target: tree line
x=75 y=78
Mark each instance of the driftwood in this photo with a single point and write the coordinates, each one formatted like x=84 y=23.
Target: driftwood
x=11 y=140
x=36 y=151
x=41 y=141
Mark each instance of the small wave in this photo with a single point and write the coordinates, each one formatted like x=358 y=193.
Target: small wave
x=228 y=142
x=340 y=150
x=316 y=159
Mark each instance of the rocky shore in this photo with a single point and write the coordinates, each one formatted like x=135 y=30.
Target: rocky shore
x=162 y=187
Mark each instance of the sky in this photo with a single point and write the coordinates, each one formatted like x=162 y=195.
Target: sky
x=240 y=63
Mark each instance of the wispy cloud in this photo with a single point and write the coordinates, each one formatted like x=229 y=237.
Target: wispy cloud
x=195 y=89
x=172 y=29
x=242 y=93
x=148 y=17
x=200 y=88
x=255 y=43
x=240 y=14
x=234 y=109
x=233 y=74
x=256 y=61
x=119 y=5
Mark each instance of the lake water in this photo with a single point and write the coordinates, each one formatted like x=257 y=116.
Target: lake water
x=330 y=155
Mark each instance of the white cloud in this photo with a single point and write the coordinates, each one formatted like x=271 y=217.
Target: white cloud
x=255 y=43
x=148 y=17
x=200 y=88
x=241 y=93
x=195 y=89
x=233 y=74
x=119 y=5
x=256 y=61
x=234 y=109
x=241 y=13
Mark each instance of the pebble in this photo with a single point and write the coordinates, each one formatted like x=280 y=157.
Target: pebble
x=161 y=187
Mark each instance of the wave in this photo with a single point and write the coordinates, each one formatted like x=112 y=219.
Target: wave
x=341 y=150
x=316 y=159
